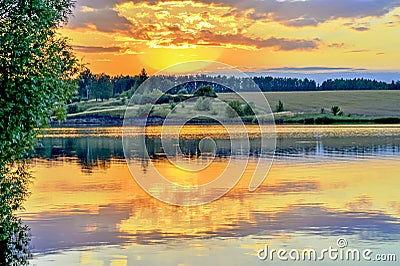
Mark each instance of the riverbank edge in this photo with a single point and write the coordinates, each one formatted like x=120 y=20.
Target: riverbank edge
x=111 y=121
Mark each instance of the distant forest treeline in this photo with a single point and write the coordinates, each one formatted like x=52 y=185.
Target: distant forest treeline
x=102 y=86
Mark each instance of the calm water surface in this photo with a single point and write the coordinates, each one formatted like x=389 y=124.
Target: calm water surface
x=325 y=183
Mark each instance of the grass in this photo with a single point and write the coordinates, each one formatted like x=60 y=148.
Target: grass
x=300 y=107
x=358 y=103
x=111 y=112
x=93 y=105
x=321 y=119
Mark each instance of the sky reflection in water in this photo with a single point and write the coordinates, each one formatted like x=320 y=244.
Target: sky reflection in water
x=326 y=182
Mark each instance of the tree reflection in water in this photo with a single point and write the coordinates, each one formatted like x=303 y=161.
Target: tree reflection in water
x=97 y=152
x=14 y=235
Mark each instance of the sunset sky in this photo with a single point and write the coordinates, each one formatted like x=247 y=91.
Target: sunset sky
x=121 y=36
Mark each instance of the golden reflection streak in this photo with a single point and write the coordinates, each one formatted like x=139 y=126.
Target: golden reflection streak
x=214 y=131
x=369 y=185
x=339 y=187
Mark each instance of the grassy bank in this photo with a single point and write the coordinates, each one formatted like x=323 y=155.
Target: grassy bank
x=323 y=119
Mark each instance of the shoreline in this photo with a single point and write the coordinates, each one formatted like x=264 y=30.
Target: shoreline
x=114 y=121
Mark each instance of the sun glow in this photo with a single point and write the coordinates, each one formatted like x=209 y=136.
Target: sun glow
x=156 y=35
x=160 y=58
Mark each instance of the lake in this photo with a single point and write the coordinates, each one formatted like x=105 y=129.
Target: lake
x=327 y=183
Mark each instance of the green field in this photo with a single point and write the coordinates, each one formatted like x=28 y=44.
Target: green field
x=299 y=107
x=357 y=103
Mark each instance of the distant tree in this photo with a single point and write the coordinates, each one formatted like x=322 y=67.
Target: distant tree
x=85 y=83
x=336 y=110
x=122 y=84
x=395 y=85
x=205 y=91
x=94 y=89
x=354 y=84
x=285 y=84
x=139 y=79
x=280 y=107
x=248 y=110
x=142 y=77
x=234 y=109
x=104 y=87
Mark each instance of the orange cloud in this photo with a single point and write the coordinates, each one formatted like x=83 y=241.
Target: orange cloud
x=216 y=22
x=242 y=33
x=96 y=49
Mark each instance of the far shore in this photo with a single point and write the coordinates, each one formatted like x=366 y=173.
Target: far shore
x=307 y=119
x=298 y=108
